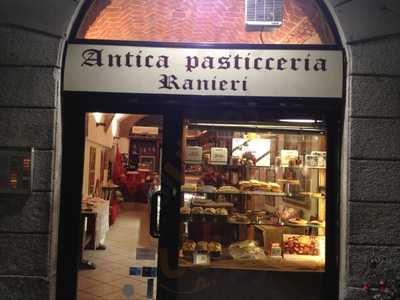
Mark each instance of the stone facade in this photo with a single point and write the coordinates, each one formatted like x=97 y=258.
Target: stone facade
x=33 y=36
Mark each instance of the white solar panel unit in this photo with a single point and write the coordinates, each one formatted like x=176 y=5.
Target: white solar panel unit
x=264 y=12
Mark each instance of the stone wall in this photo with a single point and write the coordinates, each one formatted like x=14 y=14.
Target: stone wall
x=33 y=37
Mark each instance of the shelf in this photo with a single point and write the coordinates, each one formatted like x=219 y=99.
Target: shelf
x=233 y=167
x=313 y=264
x=260 y=193
x=253 y=223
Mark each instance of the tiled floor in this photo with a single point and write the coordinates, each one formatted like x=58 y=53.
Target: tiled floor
x=111 y=280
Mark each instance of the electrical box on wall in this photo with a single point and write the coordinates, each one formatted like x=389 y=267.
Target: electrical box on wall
x=264 y=13
x=16 y=167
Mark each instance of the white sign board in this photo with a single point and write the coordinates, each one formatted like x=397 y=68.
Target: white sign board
x=204 y=71
x=194 y=155
x=288 y=156
x=259 y=148
x=219 y=156
x=145 y=130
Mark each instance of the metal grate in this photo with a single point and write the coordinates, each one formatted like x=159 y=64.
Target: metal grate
x=264 y=12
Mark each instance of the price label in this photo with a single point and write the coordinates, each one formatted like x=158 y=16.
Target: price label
x=194 y=155
x=201 y=259
x=219 y=156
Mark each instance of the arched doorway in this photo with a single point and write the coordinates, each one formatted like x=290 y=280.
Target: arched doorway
x=179 y=111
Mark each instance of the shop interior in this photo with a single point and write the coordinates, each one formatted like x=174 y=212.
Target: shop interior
x=252 y=198
x=121 y=171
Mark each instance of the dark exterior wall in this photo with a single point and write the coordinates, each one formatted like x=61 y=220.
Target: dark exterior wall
x=32 y=40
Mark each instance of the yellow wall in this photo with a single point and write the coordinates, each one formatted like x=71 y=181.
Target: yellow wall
x=101 y=140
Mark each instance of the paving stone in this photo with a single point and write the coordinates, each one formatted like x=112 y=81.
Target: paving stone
x=25 y=213
x=372 y=263
x=375 y=96
x=24 y=288
x=369 y=181
x=27 y=86
x=374 y=223
x=26 y=48
x=24 y=254
x=27 y=127
x=49 y=16
x=365 y=19
x=375 y=138
x=376 y=57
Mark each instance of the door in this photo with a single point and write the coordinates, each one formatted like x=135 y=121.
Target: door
x=107 y=247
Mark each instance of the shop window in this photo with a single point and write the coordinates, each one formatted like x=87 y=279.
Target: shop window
x=254 y=197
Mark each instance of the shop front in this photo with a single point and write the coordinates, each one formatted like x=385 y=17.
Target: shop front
x=248 y=160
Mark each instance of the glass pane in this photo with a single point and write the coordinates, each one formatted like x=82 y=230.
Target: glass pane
x=254 y=195
x=122 y=161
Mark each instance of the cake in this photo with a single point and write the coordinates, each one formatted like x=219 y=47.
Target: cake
x=221 y=214
x=188 y=248
x=228 y=189
x=215 y=249
x=198 y=214
x=189 y=187
x=202 y=247
x=207 y=189
x=209 y=214
x=185 y=213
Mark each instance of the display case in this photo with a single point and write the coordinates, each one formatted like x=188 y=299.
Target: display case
x=144 y=152
x=253 y=195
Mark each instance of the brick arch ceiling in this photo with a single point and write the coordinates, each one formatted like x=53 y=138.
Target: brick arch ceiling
x=199 y=21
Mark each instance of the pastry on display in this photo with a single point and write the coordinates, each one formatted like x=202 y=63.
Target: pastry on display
x=290 y=181
x=318 y=222
x=202 y=247
x=209 y=214
x=247 y=249
x=298 y=221
x=189 y=187
x=256 y=216
x=229 y=189
x=207 y=189
x=198 y=214
x=188 y=248
x=185 y=213
x=202 y=202
x=275 y=187
x=221 y=214
x=256 y=185
x=300 y=245
x=215 y=249
x=238 y=218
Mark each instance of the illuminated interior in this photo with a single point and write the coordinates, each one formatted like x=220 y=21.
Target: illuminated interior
x=254 y=196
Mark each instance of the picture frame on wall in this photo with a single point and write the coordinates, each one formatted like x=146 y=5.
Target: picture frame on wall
x=149 y=161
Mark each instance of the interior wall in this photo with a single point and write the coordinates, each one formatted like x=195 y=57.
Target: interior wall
x=33 y=36
x=123 y=145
